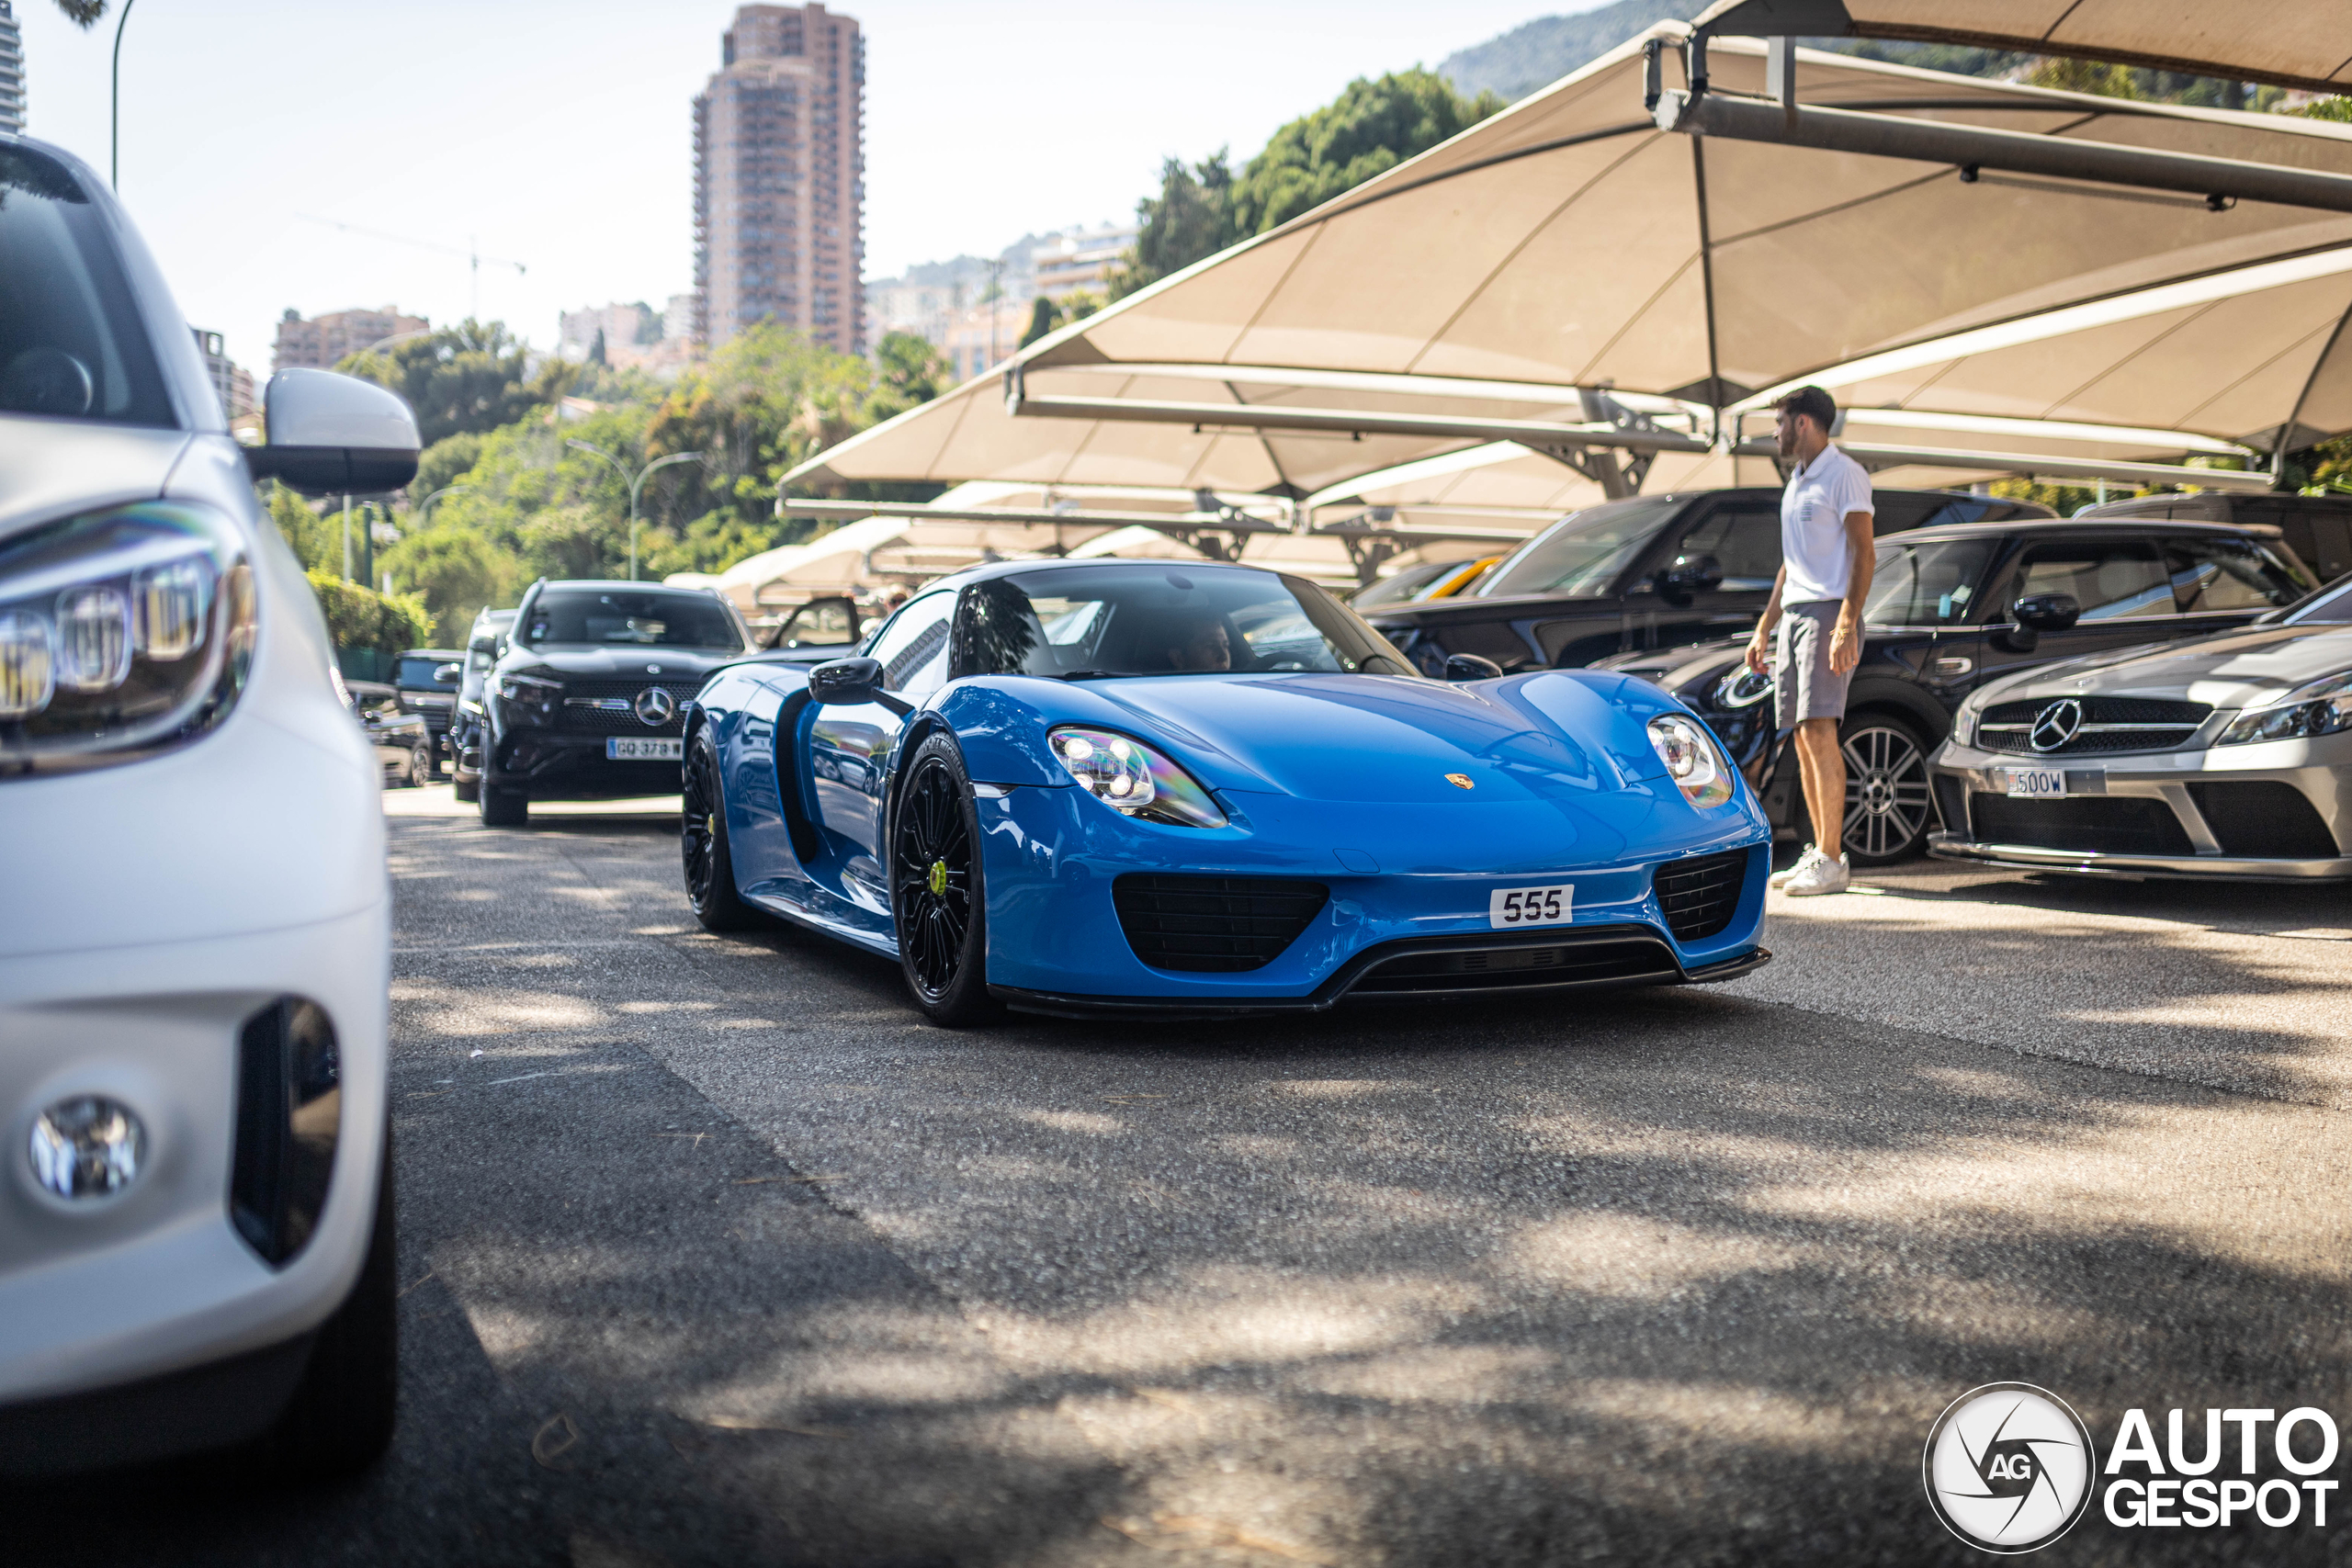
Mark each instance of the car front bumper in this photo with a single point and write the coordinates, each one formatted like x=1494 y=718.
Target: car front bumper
x=2276 y=811
x=1406 y=915
x=550 y=765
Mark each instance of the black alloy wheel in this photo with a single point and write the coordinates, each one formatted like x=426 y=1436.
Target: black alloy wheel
x=702 y=844
x=1887 y=810
x=936 y=898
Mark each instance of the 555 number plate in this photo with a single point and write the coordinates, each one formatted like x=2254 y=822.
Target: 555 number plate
x=1510 y=907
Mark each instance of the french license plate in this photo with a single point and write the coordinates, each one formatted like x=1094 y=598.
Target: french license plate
x=633 y=751
x=2037 y=783
x=1508 y=909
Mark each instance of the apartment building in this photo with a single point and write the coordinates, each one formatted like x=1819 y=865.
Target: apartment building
x=780 y=178
x=318 y=342
x=12 y=69
x=1081 y=259
x=230 y=380
x=984 y=336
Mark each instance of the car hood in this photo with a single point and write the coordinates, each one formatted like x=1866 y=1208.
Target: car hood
x=2234 y=670
x=620 y=663
x=1373 y=737
x=55 y=467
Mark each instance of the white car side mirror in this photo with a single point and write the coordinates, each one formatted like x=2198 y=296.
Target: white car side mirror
x=332 y=434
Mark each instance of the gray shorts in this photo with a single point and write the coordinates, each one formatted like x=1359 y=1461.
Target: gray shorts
x=1804 y=686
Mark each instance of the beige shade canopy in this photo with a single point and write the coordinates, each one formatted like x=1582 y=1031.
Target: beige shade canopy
x=2296 y=43
x=1568 y=242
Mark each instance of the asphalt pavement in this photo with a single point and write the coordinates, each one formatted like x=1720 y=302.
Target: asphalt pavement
x=714 y=1253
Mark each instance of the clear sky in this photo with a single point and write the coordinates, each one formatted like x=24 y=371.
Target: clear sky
x=557 y=133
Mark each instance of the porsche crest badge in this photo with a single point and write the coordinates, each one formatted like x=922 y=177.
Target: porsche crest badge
x=1460 y=781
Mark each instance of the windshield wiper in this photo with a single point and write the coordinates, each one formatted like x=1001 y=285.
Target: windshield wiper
x=1090 y=674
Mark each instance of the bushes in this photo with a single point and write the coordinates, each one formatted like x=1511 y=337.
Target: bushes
x=361 y=620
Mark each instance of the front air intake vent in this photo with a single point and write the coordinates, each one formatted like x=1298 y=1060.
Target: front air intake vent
x=1699 y=896
x=1213 y=924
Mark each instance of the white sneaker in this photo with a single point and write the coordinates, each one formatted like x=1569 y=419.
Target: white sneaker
x=1824 y=875
x=1811 y=854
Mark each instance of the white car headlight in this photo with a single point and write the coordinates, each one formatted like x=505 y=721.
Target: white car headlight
x=1692 y=758
x=1123 y=773
x=2318 y=707
x=121 y=634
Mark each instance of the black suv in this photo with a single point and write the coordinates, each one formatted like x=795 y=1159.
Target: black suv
x=427 y=678
x=588 y=700
x=2318 y=528
x=1629 y=576
x=1951 y=608
x=484 y=645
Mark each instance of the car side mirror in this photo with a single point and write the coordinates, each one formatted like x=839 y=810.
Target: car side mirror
x=447 y=675
x=1688 y=575
x=849 y=682
x=2047 y=612
x=332 y=434
x=1470 y=667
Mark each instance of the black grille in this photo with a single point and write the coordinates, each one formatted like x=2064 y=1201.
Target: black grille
x=1699 y=896
x=622 y=720
x=1951 y=805
x=2112 y=825
x=2105 y=710
x=1576 y=960
x=2008 y=727
x=2085 y=741
x=2265 y=818
x=1215 y=924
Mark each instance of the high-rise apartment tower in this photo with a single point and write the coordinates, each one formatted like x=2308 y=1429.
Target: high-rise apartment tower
x=12 y=69
x=780 y=178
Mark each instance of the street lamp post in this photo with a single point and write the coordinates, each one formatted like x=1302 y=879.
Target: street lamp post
x=635 y=485
x=426 y=505
x=114 y=106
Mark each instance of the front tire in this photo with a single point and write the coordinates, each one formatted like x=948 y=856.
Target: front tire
x=709 y=863
x=419 y=772
x=503 y=808
x=340 y=1419
x=1887 y=803
x=468 y=791
x=937 y=901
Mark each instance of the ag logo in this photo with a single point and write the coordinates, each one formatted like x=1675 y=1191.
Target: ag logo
x=654 y=705
x=2009 y=1467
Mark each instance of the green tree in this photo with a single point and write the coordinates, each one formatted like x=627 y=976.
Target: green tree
x=1191 y=219
x=457 y=571
x=908 y=370
x=361 y=618
x=315 y=539
x=2092 y=76
x=445 y=463
x=463 y=378
x=1369 y=128
x=82 y=13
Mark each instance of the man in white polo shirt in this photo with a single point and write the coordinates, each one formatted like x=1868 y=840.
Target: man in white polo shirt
x=1827 y=554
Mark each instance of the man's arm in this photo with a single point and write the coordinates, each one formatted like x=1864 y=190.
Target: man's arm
x=1760 y=647
x=1846 y=642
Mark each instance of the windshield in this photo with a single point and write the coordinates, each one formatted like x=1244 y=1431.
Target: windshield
x=1582 y=554
x=1927 y=585
x=71 y=342
x=631 y=618
x=2331 y=605
x=1401 y=585
x=1147 y=620
x=416 y=669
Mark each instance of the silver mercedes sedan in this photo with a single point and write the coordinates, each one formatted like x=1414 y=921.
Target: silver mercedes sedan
x=2226 y=757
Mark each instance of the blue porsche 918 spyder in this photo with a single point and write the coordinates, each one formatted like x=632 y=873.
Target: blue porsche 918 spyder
x=1103 y=786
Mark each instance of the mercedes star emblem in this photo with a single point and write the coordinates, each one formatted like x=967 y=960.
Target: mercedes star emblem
x=2055 y=725
x=653 y=706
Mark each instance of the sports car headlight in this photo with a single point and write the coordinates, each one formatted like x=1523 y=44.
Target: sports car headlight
x=2321 y=707
x=1690 y=759
x=1124 y=773
x=120 y=632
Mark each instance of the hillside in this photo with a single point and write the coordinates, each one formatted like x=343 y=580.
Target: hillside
x=1547 y=49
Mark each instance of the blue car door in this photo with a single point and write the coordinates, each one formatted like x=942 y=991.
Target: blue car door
x=847 y=750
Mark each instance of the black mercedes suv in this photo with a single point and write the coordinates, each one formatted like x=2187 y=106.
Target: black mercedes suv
x=587 y=701
x=1630 y=576
x=1951 y=608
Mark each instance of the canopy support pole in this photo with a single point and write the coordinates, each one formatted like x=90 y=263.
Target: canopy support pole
x=2221 y=181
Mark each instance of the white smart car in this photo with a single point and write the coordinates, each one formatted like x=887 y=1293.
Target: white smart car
x=196 y=1207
